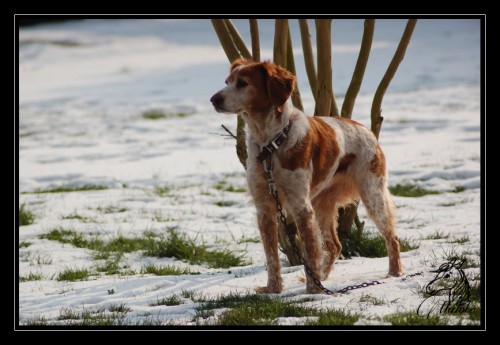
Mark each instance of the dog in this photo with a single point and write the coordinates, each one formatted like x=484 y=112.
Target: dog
x=320 y=164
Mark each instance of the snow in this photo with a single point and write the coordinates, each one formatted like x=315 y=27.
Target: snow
x=83 y=86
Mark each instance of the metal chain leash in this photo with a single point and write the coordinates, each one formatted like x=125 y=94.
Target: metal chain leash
x=282 y=217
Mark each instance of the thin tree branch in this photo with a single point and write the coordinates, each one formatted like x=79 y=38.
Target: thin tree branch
x=376 y=112
x=229 y=132
x=296 y=99
x=359 y=70
x=305 y=35
x=226 y=40
x=238 y=40
x=280 y=41
x=254 y=33
x=324 y=46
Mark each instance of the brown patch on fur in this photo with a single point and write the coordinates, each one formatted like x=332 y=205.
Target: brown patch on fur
x=319 y=145
x=345 y=162
x=377 y=163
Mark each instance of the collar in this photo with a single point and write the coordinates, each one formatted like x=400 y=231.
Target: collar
x=267 y=150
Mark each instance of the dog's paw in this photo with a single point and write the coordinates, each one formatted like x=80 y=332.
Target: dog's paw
x=313 y=289
x=268 y=289
x=396 y=273
x=301 y=278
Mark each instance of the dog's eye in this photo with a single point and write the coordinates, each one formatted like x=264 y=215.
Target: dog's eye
x=241 y=83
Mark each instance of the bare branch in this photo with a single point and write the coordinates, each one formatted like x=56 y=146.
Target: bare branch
x=238 y=40
x=359 y=70
x=280 y=41
x=376 y=112
x=254 y=33
x=225 y=39
x=229 y=132
x=305 y=35
x=296 y=99
x=324 y=97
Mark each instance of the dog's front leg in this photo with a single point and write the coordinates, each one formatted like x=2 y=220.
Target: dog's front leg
x=306 y=223
x=269 y=234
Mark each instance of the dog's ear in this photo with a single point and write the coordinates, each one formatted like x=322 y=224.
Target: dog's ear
x=280 y=83
x=239 y=62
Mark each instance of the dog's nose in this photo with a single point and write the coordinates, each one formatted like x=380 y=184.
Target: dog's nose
x=216 y=99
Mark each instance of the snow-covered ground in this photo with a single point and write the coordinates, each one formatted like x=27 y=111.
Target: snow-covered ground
x=84 y=86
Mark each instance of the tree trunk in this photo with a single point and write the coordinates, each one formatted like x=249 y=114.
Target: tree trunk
x=324 y=93
x=280 y=41
x=290 y=65
x=226 y=40
x=359 y=70
x=376 y=112
x=348 y=214
x=305 y=35
x=254 y=33
x=238 y=40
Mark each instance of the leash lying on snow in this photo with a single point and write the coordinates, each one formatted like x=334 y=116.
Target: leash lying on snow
x=274 y=192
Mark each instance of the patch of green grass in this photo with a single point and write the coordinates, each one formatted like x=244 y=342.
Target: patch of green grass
x=30 y=277
x=68 y=189
x=410 y=191
x=76 y=216
x=168 y=301
x=168 y=270
x=162 y=191
x=37 y=259
x=111 y=209
x=153 y=115
x=371 y=244
x=226 y=187
x=460 y=240
x=248 y=240
x=367 y=298
x=264 y=310
x=225 y=203
x=128 y=245
x=172 y=245
x=72 y=237
x=24 y=244
x=26 y=217
x=73 y=274
x=157 y=217
x=446 y=254
x=119 y=308
x=184 y=248
x=192 y=295
x=260 y=310
x=37 y=321
x=412 y=319
x=157 y=114
x=334 y=317
x=110 y=266
x=436 y=235
x=458 y=189
x=94 y=316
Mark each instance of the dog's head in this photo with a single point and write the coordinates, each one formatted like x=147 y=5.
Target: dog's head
x=254 y=88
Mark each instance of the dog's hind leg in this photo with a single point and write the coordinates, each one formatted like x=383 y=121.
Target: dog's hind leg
x=380 y=208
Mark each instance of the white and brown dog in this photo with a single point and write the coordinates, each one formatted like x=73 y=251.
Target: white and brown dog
x=321 y=164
